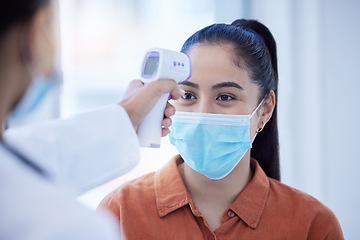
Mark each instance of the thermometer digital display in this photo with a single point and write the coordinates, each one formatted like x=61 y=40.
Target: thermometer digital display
x=160 y=64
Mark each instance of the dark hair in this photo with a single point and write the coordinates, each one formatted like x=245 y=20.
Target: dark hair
x=255 y=51
x=16 y=11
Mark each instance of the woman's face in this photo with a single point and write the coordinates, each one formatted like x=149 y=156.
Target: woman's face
x=218 y=86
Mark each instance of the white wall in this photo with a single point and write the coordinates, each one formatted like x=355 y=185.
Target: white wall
x=319 y=68
x=340 y=66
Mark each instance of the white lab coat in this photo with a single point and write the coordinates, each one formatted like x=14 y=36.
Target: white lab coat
x=78 y=154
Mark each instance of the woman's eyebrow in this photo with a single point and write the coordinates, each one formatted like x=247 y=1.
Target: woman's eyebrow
x=190 y=84
x=226 y=85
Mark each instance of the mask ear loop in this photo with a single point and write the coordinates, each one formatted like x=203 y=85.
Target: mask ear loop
x=256 y=109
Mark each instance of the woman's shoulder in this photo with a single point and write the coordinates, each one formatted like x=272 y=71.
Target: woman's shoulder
x=291 y=204
x=289 y=195
x=131 y=198
x=143 y=188
x=133 y=189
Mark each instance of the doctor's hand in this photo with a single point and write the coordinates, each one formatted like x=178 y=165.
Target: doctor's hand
x=139 y=99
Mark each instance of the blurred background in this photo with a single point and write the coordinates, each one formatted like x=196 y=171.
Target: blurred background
x=103 y=44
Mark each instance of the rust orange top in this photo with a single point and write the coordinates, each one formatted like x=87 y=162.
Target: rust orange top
x=158 y=206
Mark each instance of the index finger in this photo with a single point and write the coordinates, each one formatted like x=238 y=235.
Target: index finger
x=164 y=86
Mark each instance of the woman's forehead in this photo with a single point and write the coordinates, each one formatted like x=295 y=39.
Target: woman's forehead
x=206 y=52
x=214 y=63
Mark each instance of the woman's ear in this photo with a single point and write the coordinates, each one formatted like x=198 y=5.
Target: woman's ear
x=38 y=44
x=267 y=109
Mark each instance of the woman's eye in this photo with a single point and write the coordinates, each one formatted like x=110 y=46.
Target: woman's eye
x=225 y=98
x=188 y=96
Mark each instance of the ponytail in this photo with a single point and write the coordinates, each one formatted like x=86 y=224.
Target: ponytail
x=255 y=51
x=266 y=144
x=266 y=36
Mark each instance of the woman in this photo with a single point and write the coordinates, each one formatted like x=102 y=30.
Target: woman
x=225 y=183
x=42 y=166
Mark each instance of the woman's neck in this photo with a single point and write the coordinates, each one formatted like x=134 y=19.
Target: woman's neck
x=213 y=197
x=230 y=186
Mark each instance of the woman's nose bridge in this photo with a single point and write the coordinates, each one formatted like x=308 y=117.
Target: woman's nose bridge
x=205 y=105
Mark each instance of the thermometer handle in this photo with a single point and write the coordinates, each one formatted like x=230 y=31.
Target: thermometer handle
x=150 y=129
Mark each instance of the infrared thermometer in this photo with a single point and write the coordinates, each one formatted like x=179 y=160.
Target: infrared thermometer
x=160 y=64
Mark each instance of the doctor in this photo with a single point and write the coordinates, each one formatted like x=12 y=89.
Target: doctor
x=43 y=167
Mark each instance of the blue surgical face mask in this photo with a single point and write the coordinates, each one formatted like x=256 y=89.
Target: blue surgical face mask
x=34 y=95
x=211 y=144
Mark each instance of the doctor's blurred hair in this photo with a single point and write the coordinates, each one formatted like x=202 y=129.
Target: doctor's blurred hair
x=255 y=51
x=17 y=11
